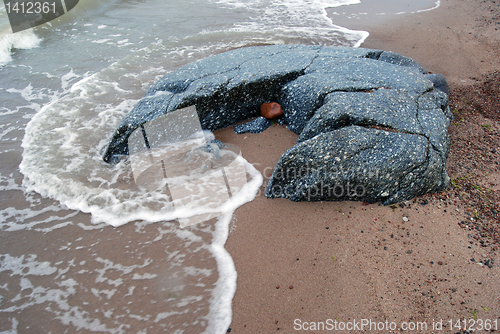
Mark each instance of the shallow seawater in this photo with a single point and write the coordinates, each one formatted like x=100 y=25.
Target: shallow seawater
x=82 y=247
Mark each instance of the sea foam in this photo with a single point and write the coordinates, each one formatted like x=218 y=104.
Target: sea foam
x=10 y=41
x=299 y=21
x=62 y=160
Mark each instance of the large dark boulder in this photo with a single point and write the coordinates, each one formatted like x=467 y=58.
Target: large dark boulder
x=372 y=125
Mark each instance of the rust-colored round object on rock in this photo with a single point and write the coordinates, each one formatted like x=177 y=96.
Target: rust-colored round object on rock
x=271 y=110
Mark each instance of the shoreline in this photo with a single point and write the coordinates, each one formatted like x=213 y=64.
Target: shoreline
x=311 y=262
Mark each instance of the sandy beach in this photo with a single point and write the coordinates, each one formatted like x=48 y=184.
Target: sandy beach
x=429 y=265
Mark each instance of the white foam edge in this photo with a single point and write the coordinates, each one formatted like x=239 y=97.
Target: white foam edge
x=245 y=195
x=363 y=35
x=220 y=313
x=437 y=4
x=21 y=40
x=328 y=4
x=44 y=185
x=357 y=37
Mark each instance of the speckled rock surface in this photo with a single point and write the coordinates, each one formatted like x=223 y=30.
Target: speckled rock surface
x=372 y=125
x=257 y=125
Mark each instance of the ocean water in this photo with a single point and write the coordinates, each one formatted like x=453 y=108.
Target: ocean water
x=83 y=247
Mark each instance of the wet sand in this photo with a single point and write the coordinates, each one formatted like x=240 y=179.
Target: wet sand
x=306 y=265
x=460 y=39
